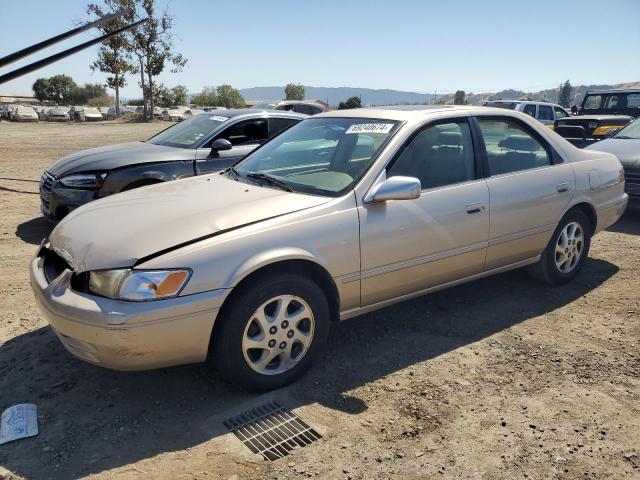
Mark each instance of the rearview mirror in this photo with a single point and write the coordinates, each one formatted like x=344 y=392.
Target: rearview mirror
x=219 y=145
x=395 y=188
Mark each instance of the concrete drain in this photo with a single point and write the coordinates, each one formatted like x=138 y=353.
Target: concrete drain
x=271 y=430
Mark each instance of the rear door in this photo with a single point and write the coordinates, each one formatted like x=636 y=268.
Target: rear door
x=529 y=187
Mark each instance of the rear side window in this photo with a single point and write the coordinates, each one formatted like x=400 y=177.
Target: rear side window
x=530 y=110
x=276 y=125
x=633 y=100
x=592 y=102
x=315 y=110
x=616 y=102
x=545 y=112
x=439 y=155
x=510 y=148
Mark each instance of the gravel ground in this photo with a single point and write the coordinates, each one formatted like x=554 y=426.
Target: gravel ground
x=498 y=379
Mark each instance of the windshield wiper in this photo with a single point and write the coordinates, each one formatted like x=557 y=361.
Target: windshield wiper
x=624 y=137
x=276 y=182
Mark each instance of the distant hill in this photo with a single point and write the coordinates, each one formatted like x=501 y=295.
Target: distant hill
x=369 y=96
x=335 y=95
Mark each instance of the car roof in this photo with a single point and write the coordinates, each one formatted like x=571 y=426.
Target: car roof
x=395 y=113
x=256 y=112
x=531 y=102
x=614 y=90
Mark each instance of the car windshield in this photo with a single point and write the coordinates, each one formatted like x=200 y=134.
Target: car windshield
x=323 y=156
x=188 y=133
x=631 y=131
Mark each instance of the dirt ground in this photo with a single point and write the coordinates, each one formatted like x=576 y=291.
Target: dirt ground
x=498 y=379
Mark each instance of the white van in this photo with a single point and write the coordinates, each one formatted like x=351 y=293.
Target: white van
x=544 y=112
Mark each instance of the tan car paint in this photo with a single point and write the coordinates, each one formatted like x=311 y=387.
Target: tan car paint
x=376 y=254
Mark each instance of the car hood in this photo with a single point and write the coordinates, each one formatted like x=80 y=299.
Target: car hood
x=626 y=149
x=115 y=156
x=117 y=231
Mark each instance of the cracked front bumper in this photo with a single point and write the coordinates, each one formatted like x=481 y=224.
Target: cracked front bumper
x=126 y=335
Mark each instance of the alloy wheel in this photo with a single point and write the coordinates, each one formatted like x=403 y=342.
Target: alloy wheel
x=278 y=335
x=569 y=247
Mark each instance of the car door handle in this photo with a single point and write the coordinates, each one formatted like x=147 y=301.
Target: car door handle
x=563 y=187
x=474 y=208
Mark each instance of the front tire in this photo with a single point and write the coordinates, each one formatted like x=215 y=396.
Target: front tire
x=271 y=331
x=566 y=252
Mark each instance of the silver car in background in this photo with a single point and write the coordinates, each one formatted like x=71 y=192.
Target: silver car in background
x=341 y=214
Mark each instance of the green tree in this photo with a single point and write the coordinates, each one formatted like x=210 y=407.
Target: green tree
x=208 y=97
x=80 y=95
x=565 y=94
x=460 y=98
x=179 y=94
x=152 y=44
x=41 y=89
x=353 y=102
x=114 y=57
x=229 y=97
x=61 y=89
x=294 y=91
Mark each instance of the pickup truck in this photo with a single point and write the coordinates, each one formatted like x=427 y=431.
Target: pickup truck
x=602 y=113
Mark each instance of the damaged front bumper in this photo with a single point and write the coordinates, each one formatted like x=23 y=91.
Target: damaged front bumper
x=124 y=335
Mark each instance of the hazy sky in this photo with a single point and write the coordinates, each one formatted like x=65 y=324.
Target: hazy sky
x=422 y=46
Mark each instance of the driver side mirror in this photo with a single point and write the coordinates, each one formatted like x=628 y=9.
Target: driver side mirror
x=395 y=188
x=220 y=145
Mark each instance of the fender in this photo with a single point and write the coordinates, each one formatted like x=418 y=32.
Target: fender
x=270 y=257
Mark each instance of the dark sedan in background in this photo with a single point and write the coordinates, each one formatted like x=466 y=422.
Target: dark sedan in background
x=199 y=145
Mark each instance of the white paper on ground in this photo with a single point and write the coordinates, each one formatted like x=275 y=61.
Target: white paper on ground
x=19 y=421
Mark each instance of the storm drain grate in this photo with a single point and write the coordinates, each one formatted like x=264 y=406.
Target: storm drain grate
x=271 y=430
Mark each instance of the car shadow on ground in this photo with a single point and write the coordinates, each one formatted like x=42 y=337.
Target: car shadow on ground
x=629 y=223
x=92 y=419
x=34 y=231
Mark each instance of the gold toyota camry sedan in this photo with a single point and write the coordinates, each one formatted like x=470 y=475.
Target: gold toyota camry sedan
x=341 y=214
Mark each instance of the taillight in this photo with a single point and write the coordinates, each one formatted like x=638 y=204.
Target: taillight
x=621 y=175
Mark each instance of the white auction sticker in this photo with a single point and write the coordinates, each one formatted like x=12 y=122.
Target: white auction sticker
x=370 y=128
x=219 y=118
x=19 y=421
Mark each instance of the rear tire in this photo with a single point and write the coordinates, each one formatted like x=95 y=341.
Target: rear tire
x=270 y=332
x=566 y=252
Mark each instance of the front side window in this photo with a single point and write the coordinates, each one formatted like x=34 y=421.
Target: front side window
x=248 y=132
x=560 y=113
x=530 y=110
x=545 y=112
x=510 y=148
x=439 y=155
x=592 y=102
x=324 y=156
x=188 y=133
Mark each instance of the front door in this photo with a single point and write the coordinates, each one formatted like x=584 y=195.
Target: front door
x=411 y=245
x=244 y=135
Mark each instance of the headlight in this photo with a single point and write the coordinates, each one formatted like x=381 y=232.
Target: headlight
x=83 y=180
x=138 y=285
